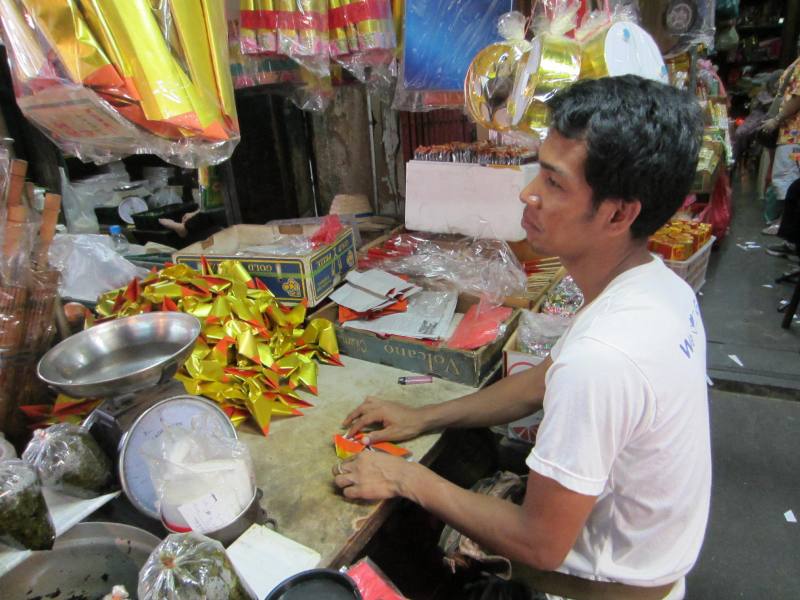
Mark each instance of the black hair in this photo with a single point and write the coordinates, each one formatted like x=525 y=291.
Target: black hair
x=642 y=140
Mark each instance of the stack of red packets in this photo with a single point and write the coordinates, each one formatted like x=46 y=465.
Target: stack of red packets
x=372 y=294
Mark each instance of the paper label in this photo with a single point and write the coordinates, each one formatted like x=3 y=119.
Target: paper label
x=210 y=512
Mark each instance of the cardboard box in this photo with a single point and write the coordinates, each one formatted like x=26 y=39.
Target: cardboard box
x=291 y=278
x=474 y=200
x=515 y=361
x=470 y=367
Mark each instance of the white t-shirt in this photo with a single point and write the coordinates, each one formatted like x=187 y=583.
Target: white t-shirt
x=626 y=420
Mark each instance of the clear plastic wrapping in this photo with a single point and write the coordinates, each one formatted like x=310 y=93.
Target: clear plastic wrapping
x=24 y=518
x=187 y=466
x=490 y=79
x=363 y=40
x=69 y=459
x=482 y=267
x=190 y=566
x=105 y=79
x=538 y=332
x=440 y=41
x=677 y=26
x=565 y=299
x=89 y=266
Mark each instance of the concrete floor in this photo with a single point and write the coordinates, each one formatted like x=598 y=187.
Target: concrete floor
x=751 y=551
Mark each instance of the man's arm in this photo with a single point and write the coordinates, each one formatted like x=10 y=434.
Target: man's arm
x=509 y=399
x=539 y=533
x=787 y=110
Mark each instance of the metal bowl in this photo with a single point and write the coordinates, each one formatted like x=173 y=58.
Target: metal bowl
x=122 y=356
x=85 y=562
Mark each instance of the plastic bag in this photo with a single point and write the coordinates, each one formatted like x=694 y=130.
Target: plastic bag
x=440 y=41
x=481 y=325
x=565 y=299
x=720 y=207
x=677 y=26
x=482 y=267
x=297 y=29
x=363 y=41
x=105 y=79
x=7 y=450
x=538 y=332
x=189 y=466
x=189 y=566
x=78 y=212
x=552 y=63
x=24 y=517
x=89 y=266
x=372 y=582
x=69 y=459
x=490 y=79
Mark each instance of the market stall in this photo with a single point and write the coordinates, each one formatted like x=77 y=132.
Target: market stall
x=203 y=383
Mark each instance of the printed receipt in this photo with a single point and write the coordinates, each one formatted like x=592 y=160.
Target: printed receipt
x=210 y=512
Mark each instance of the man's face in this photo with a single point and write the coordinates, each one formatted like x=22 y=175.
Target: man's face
x=559 y=218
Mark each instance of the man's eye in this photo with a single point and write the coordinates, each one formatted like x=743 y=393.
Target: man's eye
x=552 y=183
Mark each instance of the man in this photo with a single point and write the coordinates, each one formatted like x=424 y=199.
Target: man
x=786 y=164
x=619 y=481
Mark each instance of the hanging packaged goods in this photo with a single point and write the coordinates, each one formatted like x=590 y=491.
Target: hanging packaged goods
x=509 y=83
x=106 y=79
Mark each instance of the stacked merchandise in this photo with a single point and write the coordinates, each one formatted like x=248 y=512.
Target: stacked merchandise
x=358 y=34
x=480 y=153
x=509 y=83
x=106 y=79
x=679 y=239
x=28 y=290
x=685 y=247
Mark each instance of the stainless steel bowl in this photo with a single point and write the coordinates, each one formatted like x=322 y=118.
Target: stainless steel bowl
x=85 y=562
x=122 y=356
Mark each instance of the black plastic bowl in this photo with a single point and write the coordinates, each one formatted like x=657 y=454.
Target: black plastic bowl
x=316 y=584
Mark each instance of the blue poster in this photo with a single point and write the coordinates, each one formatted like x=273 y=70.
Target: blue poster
x=443 y=36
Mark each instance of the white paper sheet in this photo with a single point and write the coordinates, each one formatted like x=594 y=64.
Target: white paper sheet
x=372 y=290
x=264 y=558
x=65 y=511
x=429 y=316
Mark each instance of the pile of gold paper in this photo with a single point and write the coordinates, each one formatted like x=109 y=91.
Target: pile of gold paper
x=253 y=354
x=105 y=78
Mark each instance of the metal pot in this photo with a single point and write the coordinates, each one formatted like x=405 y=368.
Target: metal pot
x=122 y=356
x=231 y=532
x=86 y=562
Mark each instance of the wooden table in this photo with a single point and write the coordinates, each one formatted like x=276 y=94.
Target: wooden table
x=293 y=464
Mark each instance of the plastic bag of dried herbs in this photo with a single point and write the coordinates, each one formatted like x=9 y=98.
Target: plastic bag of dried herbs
x=24 y=518
x=190 y=566
x=68 y=459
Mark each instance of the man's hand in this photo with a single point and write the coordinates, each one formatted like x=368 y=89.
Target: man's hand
x=397 y=422
x=770 y=125
x=372 y=476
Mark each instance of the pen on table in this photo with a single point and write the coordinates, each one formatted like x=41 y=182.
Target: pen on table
x=412 y=380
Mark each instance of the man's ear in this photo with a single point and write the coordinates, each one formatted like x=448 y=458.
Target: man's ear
x=620 y=214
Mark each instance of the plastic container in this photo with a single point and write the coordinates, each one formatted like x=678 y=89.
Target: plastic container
x=693 y=269
x=118 y=240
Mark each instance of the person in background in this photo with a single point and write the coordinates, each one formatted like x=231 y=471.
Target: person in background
x=619 y=480
x=789 y=229
x=786 y=163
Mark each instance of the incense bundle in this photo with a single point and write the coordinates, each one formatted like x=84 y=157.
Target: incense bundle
x=481 y=153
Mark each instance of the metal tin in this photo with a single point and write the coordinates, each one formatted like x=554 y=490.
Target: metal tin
x=179 y=410
x=120 y=357
x=251 y=515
